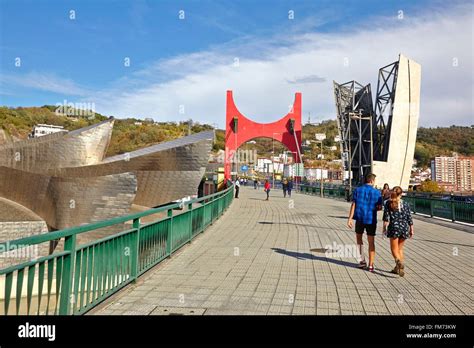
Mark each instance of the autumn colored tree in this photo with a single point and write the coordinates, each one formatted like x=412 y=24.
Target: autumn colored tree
x=430 y=186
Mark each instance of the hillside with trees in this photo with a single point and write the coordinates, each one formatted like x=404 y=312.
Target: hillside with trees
x=431 y=142
x=17 y=123
x=128 y=134
x=131 y=134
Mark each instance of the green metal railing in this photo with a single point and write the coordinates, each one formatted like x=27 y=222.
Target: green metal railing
x=76 y=279
x=443 y=208
x=433 y=206
x=329 y=190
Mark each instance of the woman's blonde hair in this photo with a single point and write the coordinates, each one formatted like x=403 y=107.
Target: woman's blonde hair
x=395 y=198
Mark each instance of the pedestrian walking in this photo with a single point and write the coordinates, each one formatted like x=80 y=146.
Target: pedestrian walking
x=366 y=201
x=284 y=185
x=237 y=187
x=398 y=226
x=266 y=188
x=385 y=193
x=255 y=183
x=290 y=187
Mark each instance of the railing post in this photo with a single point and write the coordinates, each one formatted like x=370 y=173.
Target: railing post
x=431 y=206
x=414 y=205
x=205 y=215
x=190 y=210
x=67 y=276
x=212 y=209
x=169 y=245
x=136 y=251
x=453 y=212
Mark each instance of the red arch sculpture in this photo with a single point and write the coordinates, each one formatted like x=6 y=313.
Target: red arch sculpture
x=239 y=129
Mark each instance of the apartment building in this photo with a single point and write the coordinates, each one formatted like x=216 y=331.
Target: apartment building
x=453 y=173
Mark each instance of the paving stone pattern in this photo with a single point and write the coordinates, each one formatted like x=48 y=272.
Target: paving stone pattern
x=256 y=259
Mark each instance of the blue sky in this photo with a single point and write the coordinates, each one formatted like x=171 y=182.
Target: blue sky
x=185 y=62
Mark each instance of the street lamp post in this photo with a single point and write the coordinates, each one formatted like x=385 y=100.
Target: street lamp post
x=273 y=163
x=296 y=169
x=273 y=159
x=321 y=137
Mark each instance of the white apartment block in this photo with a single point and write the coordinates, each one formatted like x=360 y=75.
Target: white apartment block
x=44 y=129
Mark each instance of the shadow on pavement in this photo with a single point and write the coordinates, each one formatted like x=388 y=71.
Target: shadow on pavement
x=308 y=256
x=386 y=274
x=303 y=225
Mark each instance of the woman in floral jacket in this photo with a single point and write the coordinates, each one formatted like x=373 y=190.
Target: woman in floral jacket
x=398 y=226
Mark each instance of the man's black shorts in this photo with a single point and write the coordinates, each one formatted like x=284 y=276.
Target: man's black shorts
x=360 y=227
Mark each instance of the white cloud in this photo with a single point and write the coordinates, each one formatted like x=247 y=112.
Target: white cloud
x=261 y=85
x=46 y=82
x=271 y=70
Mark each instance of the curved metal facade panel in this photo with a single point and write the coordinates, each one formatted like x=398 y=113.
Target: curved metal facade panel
x=11 y=211
x=165 y=172
x=159 y=187
x=67 y=202
x=80 y=200
x=188 y=153
x=29 y=190
x=80 y=147
x=65 y=195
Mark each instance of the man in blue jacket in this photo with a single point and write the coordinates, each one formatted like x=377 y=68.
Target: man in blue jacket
x=366 y=201
x=290 y=186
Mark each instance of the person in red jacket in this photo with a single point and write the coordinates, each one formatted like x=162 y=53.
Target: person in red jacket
x=267 y=189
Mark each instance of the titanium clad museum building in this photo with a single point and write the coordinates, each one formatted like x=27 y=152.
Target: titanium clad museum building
x=63 y=179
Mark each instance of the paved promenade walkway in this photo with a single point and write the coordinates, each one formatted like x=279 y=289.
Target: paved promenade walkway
x=256 y=259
